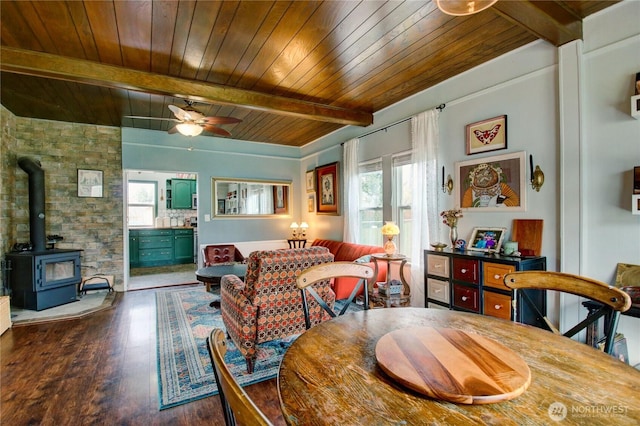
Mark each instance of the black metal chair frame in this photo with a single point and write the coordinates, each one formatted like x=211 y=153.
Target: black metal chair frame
x=326 y=271
x=609 y=301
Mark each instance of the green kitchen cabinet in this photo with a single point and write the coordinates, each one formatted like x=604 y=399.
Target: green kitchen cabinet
x=134 y=258
x=183 y=245
x=160 y=247
x=179 y=192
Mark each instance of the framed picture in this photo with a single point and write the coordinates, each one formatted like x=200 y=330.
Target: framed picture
x=492 y=183
x=311 y=182
x=487 y=135
x=89 y=183
x=280 y=199
x=221 y=206
x=311 y=202
x=327 y=184
x=486 y=239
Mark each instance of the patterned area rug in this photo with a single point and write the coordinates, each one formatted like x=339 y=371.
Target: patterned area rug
x=185 y=373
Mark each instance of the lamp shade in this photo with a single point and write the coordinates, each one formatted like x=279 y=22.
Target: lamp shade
x=463 y=7
x=294 y=225
x=304 y=225
x=189 y=129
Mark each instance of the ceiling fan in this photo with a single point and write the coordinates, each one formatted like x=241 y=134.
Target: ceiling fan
x=192 y=122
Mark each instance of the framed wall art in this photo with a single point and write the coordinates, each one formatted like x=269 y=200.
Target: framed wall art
x=90 y=183
x=486 y=239
x=487 y=135
x=311 y=181
x=327 y=189
x=311 y=202
x=492 y=183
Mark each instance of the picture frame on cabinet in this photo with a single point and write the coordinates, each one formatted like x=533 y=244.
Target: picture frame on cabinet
x=494 y=183
x=486 y=239
x=486 y=135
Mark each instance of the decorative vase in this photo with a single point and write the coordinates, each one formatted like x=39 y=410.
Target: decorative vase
x=453 y=236
x=389 y=246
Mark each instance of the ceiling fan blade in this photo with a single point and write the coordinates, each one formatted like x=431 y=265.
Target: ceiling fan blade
x=216 y=130
x=150 y=118
x=221 y=120
x=173 y=130
x=186 y=114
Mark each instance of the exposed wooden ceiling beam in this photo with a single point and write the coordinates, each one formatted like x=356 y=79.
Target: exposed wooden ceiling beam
x=40 y=64
x=547 y=20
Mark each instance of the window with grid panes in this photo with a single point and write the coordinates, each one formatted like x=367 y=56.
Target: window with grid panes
x=141 y=203
x=370 y=217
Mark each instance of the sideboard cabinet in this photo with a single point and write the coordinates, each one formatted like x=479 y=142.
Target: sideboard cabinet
x=473 y=282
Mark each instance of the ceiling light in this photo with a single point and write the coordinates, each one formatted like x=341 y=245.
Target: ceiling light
x=463 y=7
x=189 y=129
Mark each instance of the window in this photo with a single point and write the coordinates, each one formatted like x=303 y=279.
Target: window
x=401 y=200
x=370 y=217
x=394 y=173
x=142 y=203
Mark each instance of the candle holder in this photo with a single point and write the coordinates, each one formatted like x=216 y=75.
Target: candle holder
x=447 y=186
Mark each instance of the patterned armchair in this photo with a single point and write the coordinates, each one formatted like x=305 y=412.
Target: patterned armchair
x=268 y=305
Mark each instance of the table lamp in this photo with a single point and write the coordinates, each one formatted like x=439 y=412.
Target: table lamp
x=294 y=229
x=303 y=230
x=389 y=230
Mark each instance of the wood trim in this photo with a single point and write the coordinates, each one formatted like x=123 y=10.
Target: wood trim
x=46 y=65
x=546 y=20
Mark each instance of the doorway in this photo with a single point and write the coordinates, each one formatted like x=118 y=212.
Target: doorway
x=161 y=219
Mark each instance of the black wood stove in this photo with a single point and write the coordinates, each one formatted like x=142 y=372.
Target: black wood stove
x=41 y=277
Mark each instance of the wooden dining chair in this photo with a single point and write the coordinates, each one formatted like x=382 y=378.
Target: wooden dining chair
x=327 y=271
x=236 y=404
x=612 y=300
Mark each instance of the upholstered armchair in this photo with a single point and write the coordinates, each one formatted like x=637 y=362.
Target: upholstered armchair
x=268 y=304
x=221 y=253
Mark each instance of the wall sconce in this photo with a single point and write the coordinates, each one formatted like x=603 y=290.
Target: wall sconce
x=447 y=186
x=294 y=230
x=303 y=230
x=537 y=176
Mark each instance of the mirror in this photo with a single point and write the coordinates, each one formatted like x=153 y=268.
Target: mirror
x=246 y=197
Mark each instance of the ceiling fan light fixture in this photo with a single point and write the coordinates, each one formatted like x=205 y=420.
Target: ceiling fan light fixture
x=463 y=7
x=189 y=129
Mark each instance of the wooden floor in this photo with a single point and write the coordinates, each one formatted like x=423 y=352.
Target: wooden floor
x=100 y=369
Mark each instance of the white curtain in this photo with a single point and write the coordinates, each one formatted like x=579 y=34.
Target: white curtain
x=424 y=142
x=351 y=233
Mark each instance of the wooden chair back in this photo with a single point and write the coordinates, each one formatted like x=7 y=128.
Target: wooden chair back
x=327 y=271
x=612 y=300
x=236 y=404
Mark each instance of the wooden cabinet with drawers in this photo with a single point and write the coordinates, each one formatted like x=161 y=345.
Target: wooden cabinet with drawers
x=473 y=282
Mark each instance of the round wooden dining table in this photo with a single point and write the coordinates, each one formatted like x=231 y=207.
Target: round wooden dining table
x=330 y=376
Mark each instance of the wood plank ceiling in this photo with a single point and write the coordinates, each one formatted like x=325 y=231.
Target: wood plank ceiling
x=293 y=71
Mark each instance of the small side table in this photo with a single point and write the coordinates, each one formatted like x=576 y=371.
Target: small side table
x=393 y=258
x=296 y=243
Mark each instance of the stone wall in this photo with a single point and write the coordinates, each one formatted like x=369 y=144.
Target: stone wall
x=94 y=225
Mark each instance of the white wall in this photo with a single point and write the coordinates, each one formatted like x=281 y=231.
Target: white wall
x=610 y=150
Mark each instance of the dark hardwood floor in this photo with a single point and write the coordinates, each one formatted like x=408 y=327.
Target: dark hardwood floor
x=100 y=369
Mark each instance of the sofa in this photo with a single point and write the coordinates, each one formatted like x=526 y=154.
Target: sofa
x=268 y=304
x=349 y=252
